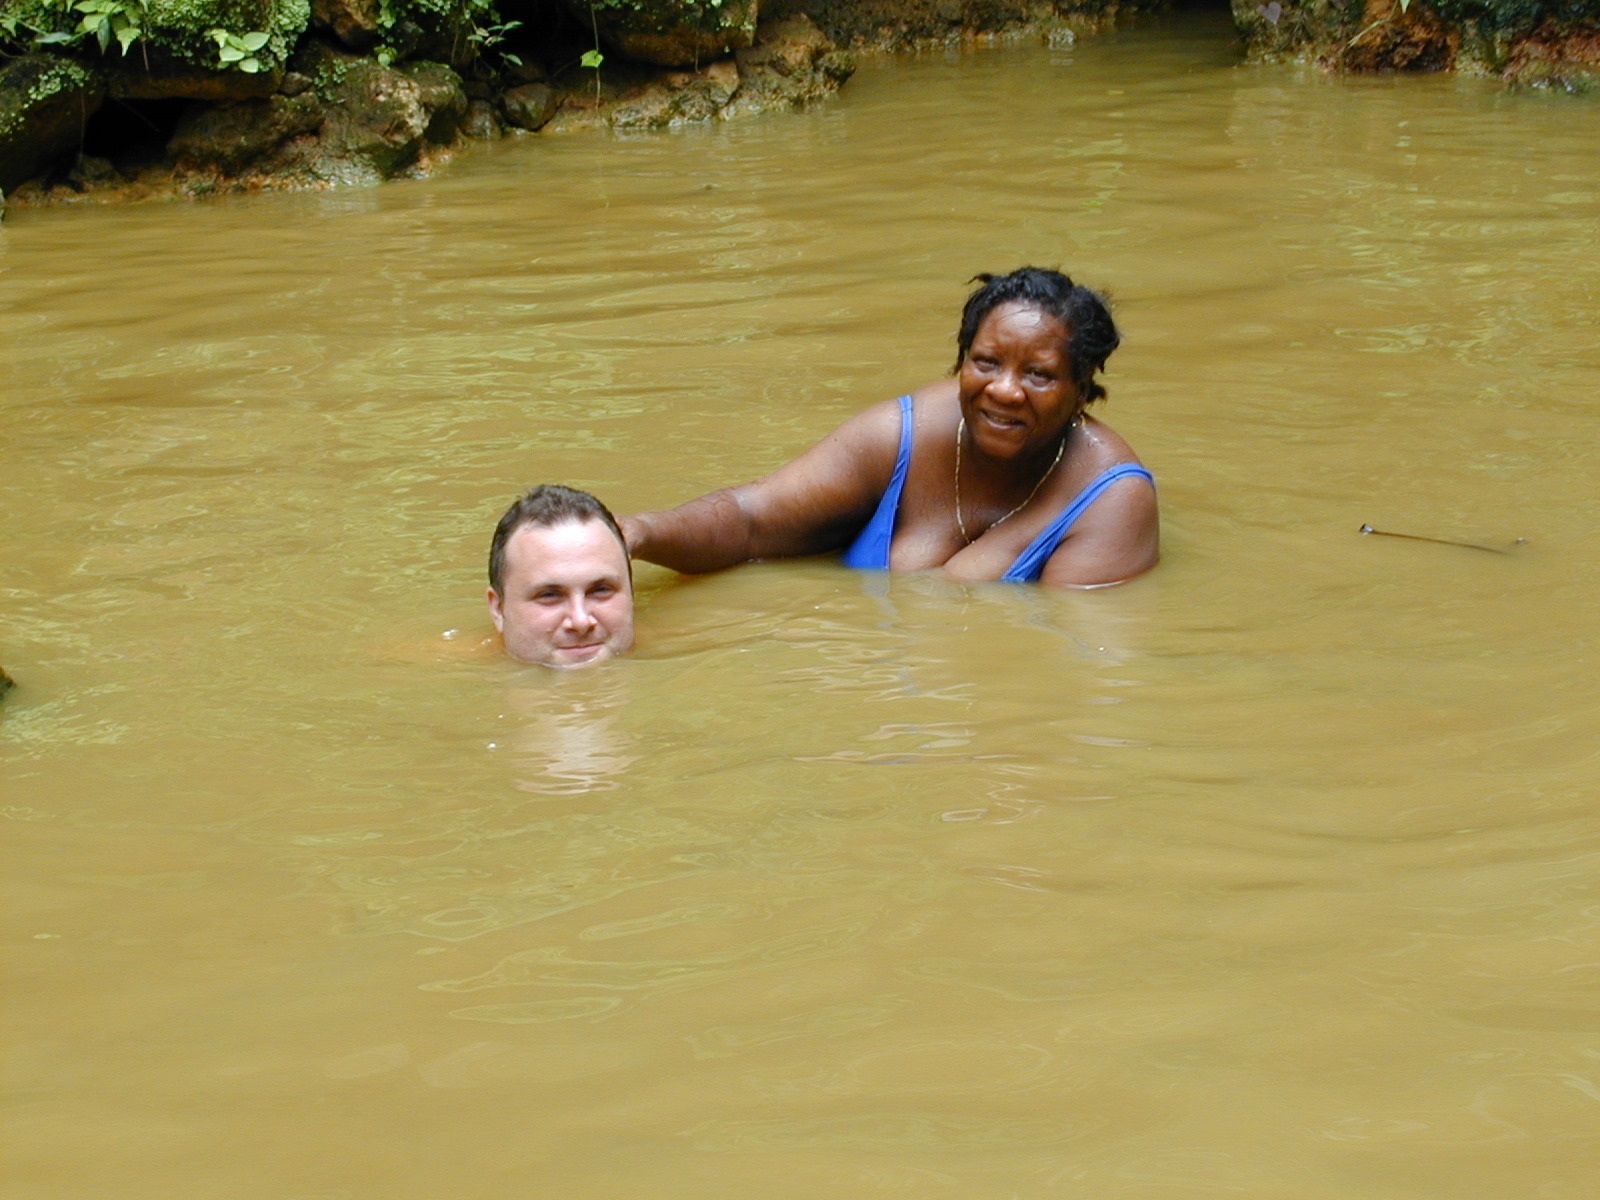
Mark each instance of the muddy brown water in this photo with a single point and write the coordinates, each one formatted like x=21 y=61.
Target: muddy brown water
x=1275 y=873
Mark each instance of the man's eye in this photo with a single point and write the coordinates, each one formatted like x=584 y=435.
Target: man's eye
x=602 y=590
x=547 y=597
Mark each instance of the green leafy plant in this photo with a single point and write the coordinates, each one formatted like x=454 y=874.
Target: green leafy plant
x=388 y=18
x=121 y=21
x=488 y=37
x=239 y=50
x=405 y=24
x=592 y=59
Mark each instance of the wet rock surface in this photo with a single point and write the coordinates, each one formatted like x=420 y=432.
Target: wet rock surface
x=530 y=105
x=353 y=121
x=355 y=24
x=1562 y=59
x=905 y=24
x=791 y=64
x=1537 y=44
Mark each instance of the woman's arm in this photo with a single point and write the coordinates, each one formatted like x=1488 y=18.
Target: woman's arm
x=810 y=505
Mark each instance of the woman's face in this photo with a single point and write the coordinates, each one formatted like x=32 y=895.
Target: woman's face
x=1015 y=382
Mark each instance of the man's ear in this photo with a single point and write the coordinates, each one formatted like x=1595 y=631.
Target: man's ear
x=497 y=612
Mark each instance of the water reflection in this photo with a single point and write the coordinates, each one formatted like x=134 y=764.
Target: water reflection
x=564 y=735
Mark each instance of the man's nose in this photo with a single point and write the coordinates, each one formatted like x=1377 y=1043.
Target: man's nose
x=578 y=614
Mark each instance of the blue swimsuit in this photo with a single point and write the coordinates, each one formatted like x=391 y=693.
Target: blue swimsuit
x=870 y=550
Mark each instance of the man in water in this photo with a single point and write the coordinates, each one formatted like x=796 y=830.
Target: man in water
x=560 y=583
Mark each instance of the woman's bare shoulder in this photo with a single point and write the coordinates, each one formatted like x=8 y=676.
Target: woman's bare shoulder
x=870 y=436
x=940 y=394
x=1107 y=446
x=1119 y=535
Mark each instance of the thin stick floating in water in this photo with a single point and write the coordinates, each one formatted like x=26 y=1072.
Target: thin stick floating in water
x=1417 y=537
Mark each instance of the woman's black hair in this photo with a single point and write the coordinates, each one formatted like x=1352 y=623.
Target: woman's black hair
x=1091 y=334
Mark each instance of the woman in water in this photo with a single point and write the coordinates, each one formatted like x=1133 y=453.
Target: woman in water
x=997 y=473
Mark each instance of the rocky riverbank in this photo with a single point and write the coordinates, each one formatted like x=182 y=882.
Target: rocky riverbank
x=1551 y=44
x=124 y=99
x=356 y=96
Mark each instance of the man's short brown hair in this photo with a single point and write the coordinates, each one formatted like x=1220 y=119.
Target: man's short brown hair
x=542 y=506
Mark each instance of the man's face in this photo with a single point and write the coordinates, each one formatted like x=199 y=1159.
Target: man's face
x=568 y=600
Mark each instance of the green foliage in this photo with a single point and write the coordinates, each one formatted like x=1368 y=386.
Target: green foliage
x=122 y=20
x=180 y=26
x=239 y=50
x=592 y=59
x=328 y=74
x=407 y=25
x=688 y=6
x=73 y=22
x=491 y=36
x=21 y=29
x=1513 y=16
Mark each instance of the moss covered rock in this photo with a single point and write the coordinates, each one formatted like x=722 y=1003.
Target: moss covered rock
x=1566 y=59
x=357 y=24
x=44 y=104
x=1541 y=42
x=908 y=23
x=530 y=105
x=1517 y=17
x=187 y=58
x=1290 y=29
x=350 y=121
x=250 y=136
x=792 y=64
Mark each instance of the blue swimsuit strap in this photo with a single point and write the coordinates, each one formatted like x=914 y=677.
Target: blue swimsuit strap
x=870 y=550
x=1030 y=563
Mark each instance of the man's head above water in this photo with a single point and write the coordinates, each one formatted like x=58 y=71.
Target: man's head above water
x=560 y=583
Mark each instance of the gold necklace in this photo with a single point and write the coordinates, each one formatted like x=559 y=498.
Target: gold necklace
x=961 y=434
